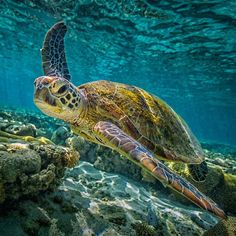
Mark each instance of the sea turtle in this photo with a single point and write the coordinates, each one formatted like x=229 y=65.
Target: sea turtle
x=125 y=118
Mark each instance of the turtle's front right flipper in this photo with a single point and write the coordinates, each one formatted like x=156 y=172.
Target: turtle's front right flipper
x=53 y=52
x=112 y=136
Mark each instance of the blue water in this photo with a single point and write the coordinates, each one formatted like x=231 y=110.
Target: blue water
x=182 y=51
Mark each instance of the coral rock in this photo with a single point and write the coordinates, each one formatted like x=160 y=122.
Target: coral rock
x=60 y=135
x=22 y=130
x=27 y=169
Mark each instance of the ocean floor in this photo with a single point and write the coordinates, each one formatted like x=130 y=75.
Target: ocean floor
x=102 y=194
x=93 y=202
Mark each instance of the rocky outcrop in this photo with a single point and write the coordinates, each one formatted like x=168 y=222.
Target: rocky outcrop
x=90 y=200
x=25 y=123
x=60 y=135
x=27 y=169
x=94 y=202
x=104 y=158
x=22 y=129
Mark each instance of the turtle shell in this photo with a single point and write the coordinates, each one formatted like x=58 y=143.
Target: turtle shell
x=152 y=117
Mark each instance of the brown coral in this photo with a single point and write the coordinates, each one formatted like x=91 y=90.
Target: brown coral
x=27 y=169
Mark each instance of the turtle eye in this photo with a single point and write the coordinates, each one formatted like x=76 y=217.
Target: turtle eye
x=62 y=89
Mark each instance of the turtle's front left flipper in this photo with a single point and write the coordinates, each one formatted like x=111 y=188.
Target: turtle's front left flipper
x=53 y=52
x=112 y=136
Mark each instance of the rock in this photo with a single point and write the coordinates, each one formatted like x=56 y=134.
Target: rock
x=27 y=130
x=147 y=177
x=60 y=135
x=91 y=201
x=27 y=169
x=111 y=161
x=76 y=208
x=33 y=217
x=105 y=159
x=3 y=147
x=109 y=232
x=232 y=170
x=3 y=124
x=5 y=115
x=87 y=150
x=221 y=162
x=203 y=220
x=22 y=130
x=223 y=228
x=18 y=118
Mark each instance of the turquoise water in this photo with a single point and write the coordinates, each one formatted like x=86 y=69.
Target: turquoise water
x=182 y=51
x=55 y=183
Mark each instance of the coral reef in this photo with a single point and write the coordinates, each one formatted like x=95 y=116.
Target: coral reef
x=22 y=129
x=60 y=135
x=93 y=202
x=87 y=200
x=36 y=124
x=27 y=169
x=105 y=159
x=26 y=166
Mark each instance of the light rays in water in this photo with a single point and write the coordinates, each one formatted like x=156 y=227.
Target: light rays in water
x=99 y=191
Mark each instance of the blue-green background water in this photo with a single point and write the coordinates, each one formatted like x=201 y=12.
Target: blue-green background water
x=182 y=51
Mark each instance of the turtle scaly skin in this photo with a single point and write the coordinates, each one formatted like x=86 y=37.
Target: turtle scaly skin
x=125 y=118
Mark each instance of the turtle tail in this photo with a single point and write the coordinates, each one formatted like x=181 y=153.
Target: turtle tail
x=198 y=171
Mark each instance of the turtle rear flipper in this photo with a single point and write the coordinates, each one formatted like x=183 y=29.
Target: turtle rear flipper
x=198 y=171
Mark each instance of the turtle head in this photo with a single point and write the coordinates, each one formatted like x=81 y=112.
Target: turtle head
x=56 y=97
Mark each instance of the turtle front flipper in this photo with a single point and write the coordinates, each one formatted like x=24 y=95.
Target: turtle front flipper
x=112 y=136
x=53 y=52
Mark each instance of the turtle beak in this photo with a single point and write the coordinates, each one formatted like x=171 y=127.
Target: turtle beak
x=41 y=91
x=42 y=95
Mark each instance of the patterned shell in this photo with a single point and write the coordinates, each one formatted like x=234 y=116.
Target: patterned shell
x=151 y=116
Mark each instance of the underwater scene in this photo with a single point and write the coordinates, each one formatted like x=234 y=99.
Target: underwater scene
x=117 y=118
